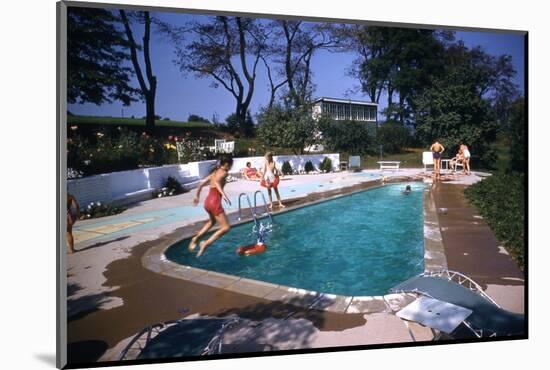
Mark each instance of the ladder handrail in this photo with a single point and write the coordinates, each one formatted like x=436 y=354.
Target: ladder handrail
x=265 y=204
x=252 y=210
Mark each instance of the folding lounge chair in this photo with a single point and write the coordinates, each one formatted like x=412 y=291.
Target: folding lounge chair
x=179 y=338
x=427 y=160
x=487 y=318
x=354 y=162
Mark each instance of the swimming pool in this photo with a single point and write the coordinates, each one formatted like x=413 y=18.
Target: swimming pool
x=356 y=245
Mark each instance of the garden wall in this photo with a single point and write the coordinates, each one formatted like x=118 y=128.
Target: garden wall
x=135 y=185
x=296 y=161
x=126 y=186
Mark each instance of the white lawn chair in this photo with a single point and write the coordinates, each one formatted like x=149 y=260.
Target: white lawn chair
x=427 y=160
x=354 y=162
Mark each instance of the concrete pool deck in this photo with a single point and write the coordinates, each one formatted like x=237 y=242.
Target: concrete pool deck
x=108 y=284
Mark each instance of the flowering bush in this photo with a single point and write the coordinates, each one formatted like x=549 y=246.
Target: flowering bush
x=109 y=152
x=98 y=209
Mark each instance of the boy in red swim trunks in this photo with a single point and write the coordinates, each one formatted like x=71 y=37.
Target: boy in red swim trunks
x=213 y=205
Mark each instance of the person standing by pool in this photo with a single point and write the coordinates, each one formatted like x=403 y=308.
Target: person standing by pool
x=467 y=155
x=270 y=179
x=437 y=149
x=73 y=213
x=213 y=205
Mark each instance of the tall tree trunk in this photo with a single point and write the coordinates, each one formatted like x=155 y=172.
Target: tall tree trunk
x=148 y=93
x=401 y=107
x=390 y=102
x=149 y=112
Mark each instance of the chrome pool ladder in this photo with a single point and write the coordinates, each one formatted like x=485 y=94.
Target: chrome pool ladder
x=267 y=211
x=253 y=209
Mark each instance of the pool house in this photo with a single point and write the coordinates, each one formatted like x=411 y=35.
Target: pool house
x=346 y=109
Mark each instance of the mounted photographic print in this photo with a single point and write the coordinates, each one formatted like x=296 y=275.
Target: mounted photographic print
x=235 y=184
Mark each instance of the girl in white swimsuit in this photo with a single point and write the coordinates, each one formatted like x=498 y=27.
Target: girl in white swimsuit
x=270 y=179
x=467 y=156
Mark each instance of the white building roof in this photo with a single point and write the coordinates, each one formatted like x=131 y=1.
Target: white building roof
x=345 y=101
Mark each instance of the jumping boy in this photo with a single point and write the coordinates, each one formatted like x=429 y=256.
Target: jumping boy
x=213 y=205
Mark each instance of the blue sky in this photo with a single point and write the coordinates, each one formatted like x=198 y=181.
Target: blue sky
x=179 y=95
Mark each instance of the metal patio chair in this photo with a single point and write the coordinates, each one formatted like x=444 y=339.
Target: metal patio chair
x=179 y=338
x=455 y=297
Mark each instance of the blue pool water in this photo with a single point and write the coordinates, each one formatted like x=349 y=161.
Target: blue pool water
x=361 y=244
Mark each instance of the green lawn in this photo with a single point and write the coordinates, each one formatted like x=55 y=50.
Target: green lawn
x=92 y=120
x=410 y=158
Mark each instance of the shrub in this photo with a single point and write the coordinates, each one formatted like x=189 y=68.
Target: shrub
x=347 y=136
x=309 y=167
x=286 y=169
x=289 y=128
x=500 y=200
x=393 y=137
x=98 y=209
x=197 y=118
x=326 y=165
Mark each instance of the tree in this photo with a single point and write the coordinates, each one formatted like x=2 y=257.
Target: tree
x=148 y=92
x=393 y=136
x=96 y=53
x=291 y=49
x=349 y=136
x=454 y=109
x=505 y=91
x=245 y=128
x=371 y=66
x=197 y=118
x=395 y=60
x=284 y=127
x=220 y=50
x=517 y=135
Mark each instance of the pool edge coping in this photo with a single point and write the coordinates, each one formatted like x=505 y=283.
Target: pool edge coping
x=155 y=260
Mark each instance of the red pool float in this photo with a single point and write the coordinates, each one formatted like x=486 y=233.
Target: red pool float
x=249 y=250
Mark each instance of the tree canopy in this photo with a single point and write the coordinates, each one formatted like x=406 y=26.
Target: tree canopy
x=96 y=56
x=284 y=127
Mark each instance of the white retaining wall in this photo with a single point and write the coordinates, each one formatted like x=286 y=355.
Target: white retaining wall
x=117 y=186
x=110 y=187
x=296 y=161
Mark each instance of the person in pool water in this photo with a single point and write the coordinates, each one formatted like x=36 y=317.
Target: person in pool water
x=213 y=205
x=437 y=149
x=270 y=179
x=407 y=190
